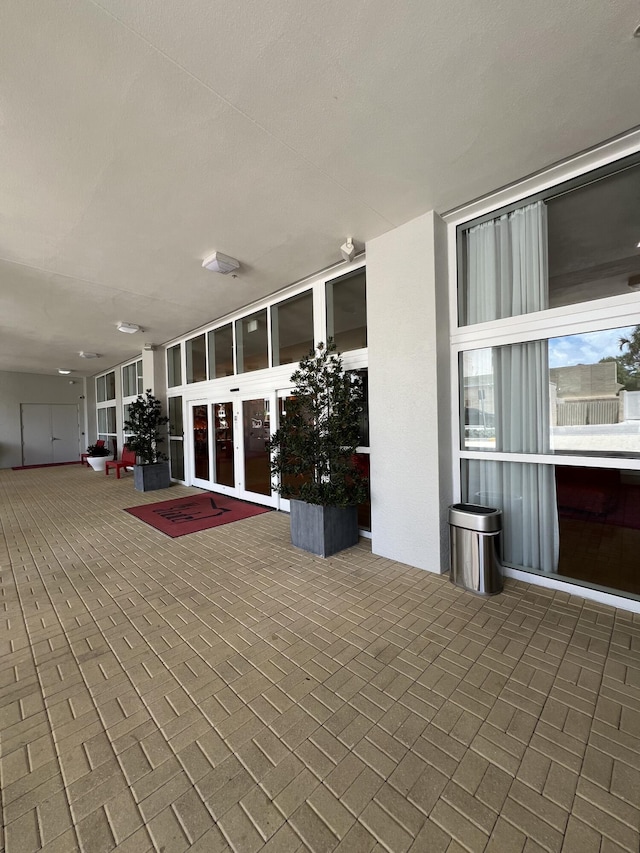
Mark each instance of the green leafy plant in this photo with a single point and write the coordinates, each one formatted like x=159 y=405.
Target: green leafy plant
x=313 y=450
x=98 y=450
x=143 y=426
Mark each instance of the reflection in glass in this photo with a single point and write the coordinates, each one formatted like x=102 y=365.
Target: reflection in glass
x=196 y=359
x=176 y=458
x=175 y=417
x=599 y=511
x=588 y=391
x=257 y=457
x=289 y=479
x=220 y=343
x=347 y=311
x=363 y=441
x=292 y=328
x=201 y=442
x=174 y=366
x=251 y=342
x=364 y=510
x=224 y=461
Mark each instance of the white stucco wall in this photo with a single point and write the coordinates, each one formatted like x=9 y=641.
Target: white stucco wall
x=409 y=393
x=17 y=388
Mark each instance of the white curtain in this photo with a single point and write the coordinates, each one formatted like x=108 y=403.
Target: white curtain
x=506 y=276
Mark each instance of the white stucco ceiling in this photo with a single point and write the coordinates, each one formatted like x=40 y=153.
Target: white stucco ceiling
x=138 y=137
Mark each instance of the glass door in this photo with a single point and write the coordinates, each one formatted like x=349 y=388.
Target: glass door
x=230 y=452
x=255 y=417
x=200 y=462
x=224 y=466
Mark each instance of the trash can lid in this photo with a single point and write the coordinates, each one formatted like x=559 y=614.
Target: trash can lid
x=483 y=519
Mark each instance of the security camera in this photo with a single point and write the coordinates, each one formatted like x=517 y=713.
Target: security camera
x=348 y=250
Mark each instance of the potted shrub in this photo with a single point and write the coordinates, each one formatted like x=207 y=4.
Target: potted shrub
x=97 y=455
x=151 y=470
x=313 y=453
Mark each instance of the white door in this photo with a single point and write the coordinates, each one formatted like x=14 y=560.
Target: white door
x=50 y=433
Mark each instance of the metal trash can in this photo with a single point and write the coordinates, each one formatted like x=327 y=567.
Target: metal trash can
x=475 y=548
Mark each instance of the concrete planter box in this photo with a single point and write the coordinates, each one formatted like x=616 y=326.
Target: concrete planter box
x=323 y=530
x=148 y=478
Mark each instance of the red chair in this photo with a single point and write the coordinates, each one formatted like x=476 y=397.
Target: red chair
x=83 y=456
x=127 y=460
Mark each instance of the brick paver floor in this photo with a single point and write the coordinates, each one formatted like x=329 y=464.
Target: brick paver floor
x=224 y=691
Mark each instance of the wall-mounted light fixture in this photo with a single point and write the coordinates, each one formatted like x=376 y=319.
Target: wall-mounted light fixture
x=634 y=282
x=348 y=250
x=217 y=262
x=128 y=328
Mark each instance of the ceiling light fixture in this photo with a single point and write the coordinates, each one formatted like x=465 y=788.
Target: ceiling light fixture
x=128 y=328
x=63 y=371
x=348 y=250
x=217 y=262
x=84 y=354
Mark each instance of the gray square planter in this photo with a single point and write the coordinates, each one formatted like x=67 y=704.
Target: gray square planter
x=148 y=478
x=323 y=530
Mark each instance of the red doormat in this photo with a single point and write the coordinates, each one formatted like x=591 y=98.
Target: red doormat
x=198 y=512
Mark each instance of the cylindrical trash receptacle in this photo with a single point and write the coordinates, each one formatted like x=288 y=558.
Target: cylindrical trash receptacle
x=475 y=548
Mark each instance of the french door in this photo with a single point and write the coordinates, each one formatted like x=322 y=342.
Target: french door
x=230 y=447
x=50 y=433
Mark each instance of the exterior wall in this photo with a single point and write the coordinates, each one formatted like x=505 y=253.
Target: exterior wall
x=409 y=393
x=17 y=388
x=155 y=373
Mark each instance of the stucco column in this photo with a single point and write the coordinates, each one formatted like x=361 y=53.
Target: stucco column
x=409 y=393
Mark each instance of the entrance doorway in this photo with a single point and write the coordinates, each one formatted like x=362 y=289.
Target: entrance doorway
x=50 y=433
x=230 y=444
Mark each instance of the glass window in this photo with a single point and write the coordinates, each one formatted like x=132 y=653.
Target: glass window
x=176 y=438
x=575 y=394
x=347 y=311
x=577 y=244
x=364 y=416
x=176 y=459
x=252 y=342
x=579 y=524
x=220 y=342
x=175 y=416
x=107 y=420
x=174 y=366
x=111 y=385
x=364 y=509
x=196 y=359
x=292 y=328
x=132 y=379
x=106 y=387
